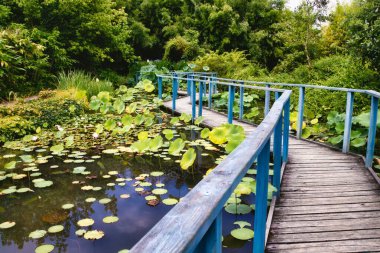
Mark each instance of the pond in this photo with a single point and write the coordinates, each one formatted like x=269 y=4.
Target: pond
x=103 y=192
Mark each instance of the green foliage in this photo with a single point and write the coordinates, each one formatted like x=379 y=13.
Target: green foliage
x=82 y=81
x=179 y=48
x=14 y=127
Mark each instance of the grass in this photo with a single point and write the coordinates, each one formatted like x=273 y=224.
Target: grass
x=83 y=81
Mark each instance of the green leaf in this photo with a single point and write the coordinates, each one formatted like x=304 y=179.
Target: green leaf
x=335 y=140
x=110 y=124
x=156 y=143
x=57 y=148
x=188 y=159
x=176 y=146
x=185 y=117
x=127 y=120
x=10 y=166
x=238 y=208
x=119 y=106
x=205 y=133
x=143 y=135
x=358 y=142
x=148 y=86
x=242 y=233
x=199 y=120
x=218 y=135
x=95 y=104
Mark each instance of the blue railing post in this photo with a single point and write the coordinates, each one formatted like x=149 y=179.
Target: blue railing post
x=188 y=84
x=267 y=100
x=159 y=80
x=200 y=100
x=212 y=240
x=372 y=131
x=175 y=90
x=241 y=102
x=348 y=122
x=261 y=199
x=301 y=101
x=209 y=93
x=193 y=99
x=285 y=141
x=231 y=97
x=214 y=84
x=277 y=143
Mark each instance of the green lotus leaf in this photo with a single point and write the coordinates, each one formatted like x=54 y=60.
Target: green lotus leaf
x=218 y=135
x=37 y=234
x=110 y=219
x=242 y=233
x=67 y=206
x=56 y=229
x=139 y=119
x=26 y=158
x=46 y=248
x=85 y=222
x=104 y=96
x=105 y=201
x=205 y=133
x=232 y=144
x=188 y=159
x=119 y=106
x=127 y=120
x=43 y=184
x=7 y=224
x=238 y=209
x=143 y=135
x=159 y=191
x=358 y=142
x=174 y=120
x=199 y=120
x=10 y=166
x=176 y=146
x=131 y=108
x=156 y=173
x=110 y=124
x=93 y=235
x=95 y=103
x=185 y=117
x=242 y=224
x=156 y=143
x=140 y=146
x=80 y=232
x=57 y=148
x=170 y=201
x=148 y=85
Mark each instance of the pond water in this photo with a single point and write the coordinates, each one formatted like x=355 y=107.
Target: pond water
x=92 y=184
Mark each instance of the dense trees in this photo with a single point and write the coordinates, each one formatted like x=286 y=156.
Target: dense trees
x=105 y=36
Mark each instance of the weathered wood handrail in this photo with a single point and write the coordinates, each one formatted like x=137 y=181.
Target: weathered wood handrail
x=374 y=95
x=194 y=224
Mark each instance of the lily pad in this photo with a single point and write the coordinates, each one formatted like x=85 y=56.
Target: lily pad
x=156 y=173
x=242 y=233
x=159 y=191
x=37 y=234
x=80 y=232
x=90 y=200
x=238 y=208
x=67 y=206
x=43 y=184
x=46 y=248
x=55 y=229
x=125 y=196
x=85 y=222
x=93 y=235
x=7 y=224
x=170 y=201
x=105 y=201
x=110 y=219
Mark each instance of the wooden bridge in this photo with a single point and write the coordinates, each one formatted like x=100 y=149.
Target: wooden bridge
x=329 y=201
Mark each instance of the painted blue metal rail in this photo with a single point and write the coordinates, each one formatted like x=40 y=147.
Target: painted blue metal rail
x=301 y=104
x=195 y=223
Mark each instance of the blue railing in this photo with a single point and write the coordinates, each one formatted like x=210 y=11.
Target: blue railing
x=195 y=223
x=301 y=104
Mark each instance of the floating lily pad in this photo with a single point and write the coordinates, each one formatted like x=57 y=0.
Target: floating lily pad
x=111 y=184
x=10 y=165
x=85 y=222
x=238 y=208
x=56 y=229
x=97 y=188
x=139 y=189
x=87 y=187
x=242 y=233
x=170 y=201
x=124 y=196
x=67 y=206
x=123 y=251
x=156 y=173
x=150 y=197
x=43 y=184
x=110 y=219
x=37 y=234
x=160 y=185
x=145 y=184
x=90 y=200
x=23 y=190
x=7 y=224
x=79 y=170
x=159 y=191
x=93 y=235
x=46 y=248
x=105 y=201
x=8 y=191
x=113 y=172
x=80 y=232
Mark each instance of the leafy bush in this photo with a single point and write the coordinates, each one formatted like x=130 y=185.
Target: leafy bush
x=24 y=65
x=179 y=48
x=14 y=127
x=82 y=81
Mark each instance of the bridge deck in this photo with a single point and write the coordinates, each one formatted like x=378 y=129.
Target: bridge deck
x=329 y=201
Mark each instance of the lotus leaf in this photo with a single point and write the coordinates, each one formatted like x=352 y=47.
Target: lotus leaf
x=159 y=191
x=188 y=159
x=110 y=219
x=37 y=234
x=170 y=201
x=46 y=248
x=7 y=224
x=85 y=222
x=242 y=233
x=105 y=201
x=67 y=206
x=238 y=209
x=56 y=229
x=176 y=146
x=93 y=235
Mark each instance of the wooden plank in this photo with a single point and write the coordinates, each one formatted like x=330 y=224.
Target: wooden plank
x=347 y=216
x=325 y=236
x=299 y=195
x=328 y=201
x=319 y=189
x=365 y=245
x=328 y=209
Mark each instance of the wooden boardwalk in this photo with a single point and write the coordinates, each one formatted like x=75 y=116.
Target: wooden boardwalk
x=329 y=201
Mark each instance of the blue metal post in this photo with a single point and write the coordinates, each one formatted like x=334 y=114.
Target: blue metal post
x=212 y=240
x=175 y=90
x=261 y=199
x=372 y=132
x=159 y=87
x=241 y=102
x=348 y=122
x=267 y=100
x=200 y=99
x=188 y=85
x=193 y=99
x=277 y=143
x=231 y=97
x=209 y=93
x=285 y=149
x=301 y=101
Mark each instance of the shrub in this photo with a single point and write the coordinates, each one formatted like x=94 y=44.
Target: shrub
x=80 y=80
x=179 y=48
x=14 y=127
